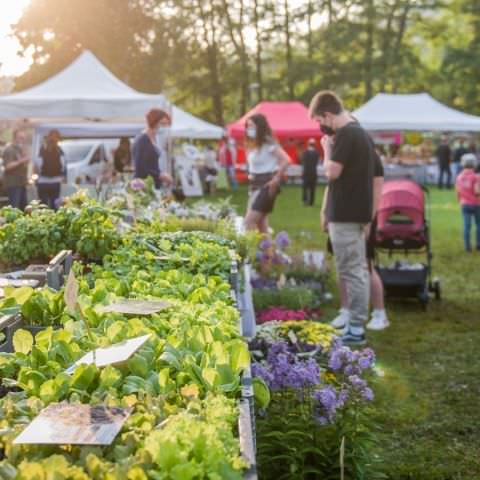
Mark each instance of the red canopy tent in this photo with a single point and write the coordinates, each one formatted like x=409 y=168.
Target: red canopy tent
x=290 y=124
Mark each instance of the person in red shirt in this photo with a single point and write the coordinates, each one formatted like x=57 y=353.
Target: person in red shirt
x=226 y=157
x=468 y=192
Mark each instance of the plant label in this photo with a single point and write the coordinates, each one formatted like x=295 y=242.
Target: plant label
x=118 y=353
x=71 y=292
x=65 y=424
x=134 y=307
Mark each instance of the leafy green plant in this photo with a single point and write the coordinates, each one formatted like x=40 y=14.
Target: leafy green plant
x=290 y=297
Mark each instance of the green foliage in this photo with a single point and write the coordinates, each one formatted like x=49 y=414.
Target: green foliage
x=90 y=231
x=293 y=298
x=197 y=442
x=291 y=445
x=185 y=378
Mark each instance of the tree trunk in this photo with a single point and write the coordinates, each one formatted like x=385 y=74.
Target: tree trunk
x=241 y=51
x=258 y=53
x=209 y=36
x=370 y=15
x=386 y=51
x=310 y=39
x=288 y=53
x=398 y=43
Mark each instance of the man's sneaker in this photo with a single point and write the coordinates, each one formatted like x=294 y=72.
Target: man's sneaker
x=350 y=339
x=341 y=320
x=379 y=320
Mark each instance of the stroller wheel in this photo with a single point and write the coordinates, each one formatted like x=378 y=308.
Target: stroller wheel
x=424 y=298
x=437 y=289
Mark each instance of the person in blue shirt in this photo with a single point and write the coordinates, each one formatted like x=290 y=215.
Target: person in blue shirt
x=147 y=152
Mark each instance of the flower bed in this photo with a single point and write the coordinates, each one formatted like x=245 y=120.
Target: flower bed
x=315 y=423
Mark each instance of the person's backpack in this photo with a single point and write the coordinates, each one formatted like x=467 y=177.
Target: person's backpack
x=52 y=163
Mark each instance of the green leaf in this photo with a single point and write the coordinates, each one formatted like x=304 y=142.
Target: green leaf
x=22 y=341
x=110 y=377
x=261 y=393
x=210 y=377
x=20 y=295
x=49 y=391
x=31 y=380
x=240 y=357
x=138 y=366
x=83 y=377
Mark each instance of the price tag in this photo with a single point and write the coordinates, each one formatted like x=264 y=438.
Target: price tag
x=71 y=292
x=65 y=424
x=118 y=353
x=134 y=307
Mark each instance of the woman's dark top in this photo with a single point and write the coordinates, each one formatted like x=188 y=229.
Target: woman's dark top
x=145 y=159
x=122 y=158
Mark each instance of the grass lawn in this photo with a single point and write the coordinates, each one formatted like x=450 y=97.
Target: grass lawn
x=428 y=402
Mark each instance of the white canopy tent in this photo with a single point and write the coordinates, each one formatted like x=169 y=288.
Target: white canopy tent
x=85 y=89
x=413 y=112
x=184 y=125
x=87 y=100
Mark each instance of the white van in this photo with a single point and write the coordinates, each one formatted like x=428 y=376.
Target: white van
x=86 y=160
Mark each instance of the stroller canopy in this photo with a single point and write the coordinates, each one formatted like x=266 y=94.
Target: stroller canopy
x=402 y=195
x=401 y=221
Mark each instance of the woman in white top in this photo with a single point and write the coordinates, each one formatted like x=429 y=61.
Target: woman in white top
x=267 y=162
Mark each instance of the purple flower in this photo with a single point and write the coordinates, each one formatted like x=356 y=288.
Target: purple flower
x=283 y=369
x=258 y=370
x=357 y=382
x=321 y=420
x=265 y=244
x=367 y=358
x=339 y=357
x=282 y=240
x=327 y=396
x=329 y=401
x=137 y=184
x=367 y=394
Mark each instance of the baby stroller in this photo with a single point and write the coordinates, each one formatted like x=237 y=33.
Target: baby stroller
x=402 y=225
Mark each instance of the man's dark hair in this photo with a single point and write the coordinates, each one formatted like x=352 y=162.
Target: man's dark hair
x=264 y=132
x=324 y=102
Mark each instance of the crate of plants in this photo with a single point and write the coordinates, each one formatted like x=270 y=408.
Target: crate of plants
x=286 y=287
x=179 y=391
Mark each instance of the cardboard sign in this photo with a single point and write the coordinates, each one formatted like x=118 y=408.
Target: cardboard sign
x=66 y=424
x=134 y=307
x=118 y=353
x=71 y=292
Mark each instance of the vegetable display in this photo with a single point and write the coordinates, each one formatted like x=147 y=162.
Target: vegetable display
x=182 y=385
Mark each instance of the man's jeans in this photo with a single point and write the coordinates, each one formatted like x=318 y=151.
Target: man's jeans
x=348 y=243
x=232 y=177
x=17 y=197
x=470 y=212
x=444 y=170
x=49 y=193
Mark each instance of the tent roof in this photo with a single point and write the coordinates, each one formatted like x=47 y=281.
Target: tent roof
x=84 y=89
x=417 y=112
x=184 y=125
x=287 y=119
